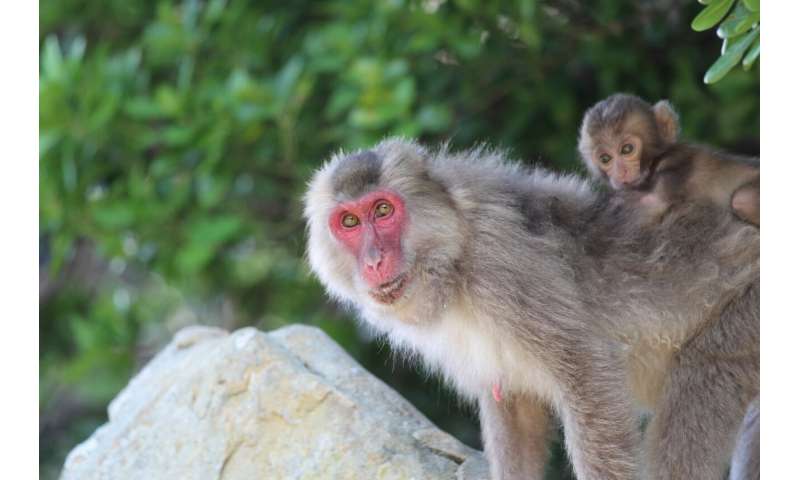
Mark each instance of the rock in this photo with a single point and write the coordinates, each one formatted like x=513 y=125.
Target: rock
x=252 y=405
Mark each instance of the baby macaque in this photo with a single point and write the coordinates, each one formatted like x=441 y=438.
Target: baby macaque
x=633 y=145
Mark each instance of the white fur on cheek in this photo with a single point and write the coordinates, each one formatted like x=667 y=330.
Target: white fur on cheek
x=334 y=266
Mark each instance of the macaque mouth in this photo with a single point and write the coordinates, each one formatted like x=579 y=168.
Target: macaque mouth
x=391 y=291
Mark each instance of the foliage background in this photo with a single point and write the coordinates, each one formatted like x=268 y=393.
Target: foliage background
x=176 y=139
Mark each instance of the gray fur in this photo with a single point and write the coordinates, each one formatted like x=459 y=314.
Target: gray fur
x=572 y=300
x=718 y=366
x=612 y=112
x=362 y=171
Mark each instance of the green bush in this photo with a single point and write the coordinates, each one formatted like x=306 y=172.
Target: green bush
x=739 y=29
x=176 y=139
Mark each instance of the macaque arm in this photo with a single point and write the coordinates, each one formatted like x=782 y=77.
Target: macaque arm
x=516 y=435
x=746 y=203
x=729 y=181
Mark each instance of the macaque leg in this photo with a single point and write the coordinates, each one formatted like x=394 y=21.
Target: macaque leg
x=516 y=436
x=600 y=429
x=746 y=202
x=745 y=464
x=713 y=379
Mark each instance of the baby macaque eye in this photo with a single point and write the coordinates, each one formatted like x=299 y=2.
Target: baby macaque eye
x=349 y=220
x=605 y=158
x=383 y=209
x=626 y=149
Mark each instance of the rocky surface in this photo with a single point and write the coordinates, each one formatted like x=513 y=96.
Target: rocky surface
x=250 y=405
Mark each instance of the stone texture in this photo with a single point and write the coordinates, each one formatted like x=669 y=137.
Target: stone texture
x=251 y=405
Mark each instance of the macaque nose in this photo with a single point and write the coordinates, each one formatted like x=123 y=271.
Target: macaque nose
x=372 y=258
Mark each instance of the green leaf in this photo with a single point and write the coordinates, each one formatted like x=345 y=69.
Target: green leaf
x=752 y=54
x=214 y=230
x=711 y=15
x=206 y=236
x=252 y=267
x=752 y=5
x=142 y=108
x=178 y=135
x=77 y=48
x=114 y=216
x=168 y=100
x=61 y=249
x=727 y=28
x=51 y=57
x=738 y=22
x=287 y=78
x=746 y=23
x=732 y=42
x=193 y=257
x=730 y=58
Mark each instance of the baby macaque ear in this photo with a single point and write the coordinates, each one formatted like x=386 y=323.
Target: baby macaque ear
x=667 y=121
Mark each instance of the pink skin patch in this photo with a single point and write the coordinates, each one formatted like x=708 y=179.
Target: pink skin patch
x=375 y=241
x=497 y=392
x=653 y=204
x=651 y=200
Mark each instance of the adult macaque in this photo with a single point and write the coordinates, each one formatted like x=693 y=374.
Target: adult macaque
x=633 y=145
x=530 y=287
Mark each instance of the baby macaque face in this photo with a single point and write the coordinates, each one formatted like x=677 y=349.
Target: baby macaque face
x=619 y=156
x=622 y=136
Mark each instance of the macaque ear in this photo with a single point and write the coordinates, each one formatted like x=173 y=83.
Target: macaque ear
x=667 y=121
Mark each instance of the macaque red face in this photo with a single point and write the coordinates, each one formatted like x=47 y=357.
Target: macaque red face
x=371 y=229
x=620 y=158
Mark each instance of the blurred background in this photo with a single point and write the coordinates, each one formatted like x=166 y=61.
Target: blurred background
x=176 y=138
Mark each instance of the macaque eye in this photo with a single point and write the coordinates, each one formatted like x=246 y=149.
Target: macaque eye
x=605 y=158
x=349 y=221
x=383 y=209
x=626 y=149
